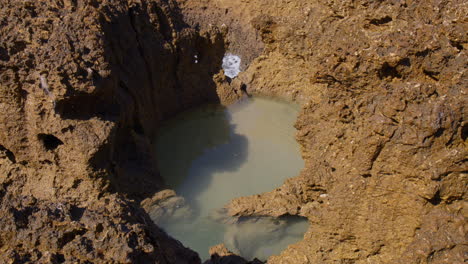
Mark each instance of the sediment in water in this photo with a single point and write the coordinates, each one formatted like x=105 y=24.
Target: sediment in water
x=213 y=154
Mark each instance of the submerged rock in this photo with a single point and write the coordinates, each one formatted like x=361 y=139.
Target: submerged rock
x=167 y=206
x=221 y=255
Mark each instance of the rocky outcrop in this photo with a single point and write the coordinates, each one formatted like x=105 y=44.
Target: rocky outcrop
x=383 y=126
x=85 y=84
x=108 y=230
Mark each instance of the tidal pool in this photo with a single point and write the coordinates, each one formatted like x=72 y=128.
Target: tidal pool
x=213 y=154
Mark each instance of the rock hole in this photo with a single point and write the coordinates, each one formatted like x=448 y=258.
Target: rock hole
x=86 y=51
x=133 y=240
x=464 y=132
x=22 y=216
x=50 y=142
x=439 y=132
x=435 y=200
x=423 y=53
x=23 y=258
x=388 y=71
x=70 y=128
x=76 y=183
x=32 y=11
x=70 y=236
x=94 y=3
x=8 y=154
x=45 y=162
x=76 y=213
x=456 y=45
x=57 y=258
x=99 y=228
x=18 y=46
x=431 y=74
x=4 y=54
x=243 y=88
x=405 y=62
x=380 y=21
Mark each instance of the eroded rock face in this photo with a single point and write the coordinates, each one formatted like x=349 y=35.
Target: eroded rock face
x=109 y=230
x=84 y=85
x=383 y=126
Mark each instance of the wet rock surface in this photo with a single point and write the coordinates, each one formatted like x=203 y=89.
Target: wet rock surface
x=85 y=84
x=166 y=206
x=221 y=255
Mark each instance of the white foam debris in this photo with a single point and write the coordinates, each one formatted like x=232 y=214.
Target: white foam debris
x=231 y=65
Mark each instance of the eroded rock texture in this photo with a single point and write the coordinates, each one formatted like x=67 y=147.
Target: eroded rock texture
x=84 y=85
x=383 y=127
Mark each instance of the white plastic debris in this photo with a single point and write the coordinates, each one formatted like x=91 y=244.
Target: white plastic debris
x=231 y=65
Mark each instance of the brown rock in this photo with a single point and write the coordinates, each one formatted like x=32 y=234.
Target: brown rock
x=84 y=86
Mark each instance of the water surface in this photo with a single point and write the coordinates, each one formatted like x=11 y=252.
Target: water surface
x=213 y=154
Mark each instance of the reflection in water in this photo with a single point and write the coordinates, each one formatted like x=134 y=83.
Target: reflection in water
x=214 y=154
x=263 y=237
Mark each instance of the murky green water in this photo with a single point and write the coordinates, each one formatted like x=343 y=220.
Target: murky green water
x=213 y=154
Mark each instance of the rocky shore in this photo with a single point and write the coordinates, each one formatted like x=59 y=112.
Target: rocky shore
x=85 y=84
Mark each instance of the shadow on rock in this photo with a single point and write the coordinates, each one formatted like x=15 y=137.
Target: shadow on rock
x=196 y=146
x=153 y=75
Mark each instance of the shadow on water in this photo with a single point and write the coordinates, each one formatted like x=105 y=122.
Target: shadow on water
x=213 y=154
x=148 y=80
x=197 y=145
